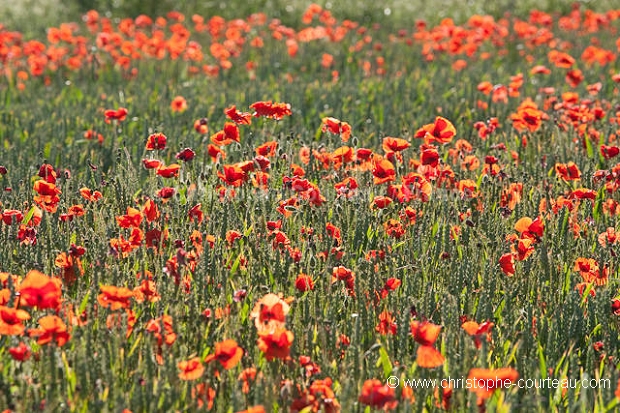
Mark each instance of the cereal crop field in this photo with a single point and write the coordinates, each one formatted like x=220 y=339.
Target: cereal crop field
x=299 y=207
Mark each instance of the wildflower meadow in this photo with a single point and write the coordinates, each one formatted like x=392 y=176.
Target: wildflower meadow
x=310 y=209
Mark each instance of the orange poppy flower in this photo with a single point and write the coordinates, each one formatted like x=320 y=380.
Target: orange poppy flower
x=275 y=343
x=561 y=59
x=377 y=394
x=147 y=290
x=426 y=333
x=528 y=117
x=487 y=381
x=478 y=330
x=441 y=131
x=46 y=189
x=609 y=237
x=52 y=328
x=191 y=369
x=591 y=272
x=523 y=249
x=203 y=395
x=11 y=321
x=132 y=219
x=387 y=324
x=254 y=409
x=69 y=266
x=341 y=156
x=246 y=376
x=201 y=126
x=270 y=312
x=381 y=202
x=178 y=104
x=161 y=328
x=115 y=297
x=89 y=195
x=485 y=87
x=39 y=290
x=227 y=352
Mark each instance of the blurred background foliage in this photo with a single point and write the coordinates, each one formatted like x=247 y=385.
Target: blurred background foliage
x=32 y=17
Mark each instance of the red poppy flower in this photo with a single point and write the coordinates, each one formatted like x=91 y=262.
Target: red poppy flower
x=377 y=394
x=441 y=131
x=120 y=114
x=20 y=353
x=583 y=193
x=267 y=149
x=275 y=343
x=609 y=152
x=304 y=283
x=241 y=118
x=151 y=163
x=426 y=333
x=132 y=219
x=254 y=409
x=271 y=110
x=477 y=331
x=429 y=155
x=89 y=195
x=270 y=312
x=507 y=264
x=186 y=155
x=12 y=216
x=568 y=171
x=233 y=175
x=156 y=141
x=166 y=192
x=168 y=171
x=336 y=127
x=227 y=352
x=47 y=172
x=39 y=290
x=383 y=171
x=395 y=144
x=215 y=152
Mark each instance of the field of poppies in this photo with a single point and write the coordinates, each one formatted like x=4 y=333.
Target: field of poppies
x=249 y=215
